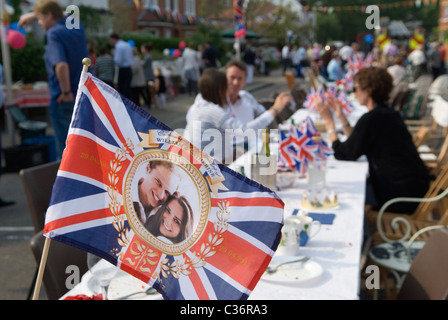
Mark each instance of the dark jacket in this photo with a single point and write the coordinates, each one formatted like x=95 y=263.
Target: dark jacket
x=395 y=167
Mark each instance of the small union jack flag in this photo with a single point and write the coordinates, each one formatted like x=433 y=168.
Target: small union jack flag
x=312 y=97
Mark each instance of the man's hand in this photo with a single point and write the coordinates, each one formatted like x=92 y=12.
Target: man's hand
x=26 y=19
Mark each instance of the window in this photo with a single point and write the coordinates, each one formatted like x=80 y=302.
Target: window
x=190 y=7
x=168 y=5
x=175 y=5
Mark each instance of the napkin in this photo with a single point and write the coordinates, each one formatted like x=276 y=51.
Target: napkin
x=323 y=218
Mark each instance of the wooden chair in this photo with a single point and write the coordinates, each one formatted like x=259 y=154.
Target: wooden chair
x=60 y=256
x=394 y=226
x=290 y=80
x=38 y=183
x=421 y=136
x=441 y=158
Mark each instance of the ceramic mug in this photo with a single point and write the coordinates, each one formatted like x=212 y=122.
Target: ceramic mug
x=309 y=229
x=290 y=241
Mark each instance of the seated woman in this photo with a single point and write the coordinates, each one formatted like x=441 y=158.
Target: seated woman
x=211 y=128
x=395 y=167
x=172 y=221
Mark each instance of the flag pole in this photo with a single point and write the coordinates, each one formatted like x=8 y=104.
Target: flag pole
x=86 y=64
x=40 y=274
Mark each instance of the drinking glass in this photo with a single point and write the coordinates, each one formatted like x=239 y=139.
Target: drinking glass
x=102 y=271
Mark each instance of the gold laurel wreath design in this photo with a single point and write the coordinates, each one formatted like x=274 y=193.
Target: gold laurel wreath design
x=115 y=204
x=207 y=250
x=146 y=254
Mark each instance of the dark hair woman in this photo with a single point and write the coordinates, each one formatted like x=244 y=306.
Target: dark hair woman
x=395 y=167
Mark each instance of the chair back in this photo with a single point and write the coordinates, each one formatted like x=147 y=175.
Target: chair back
x=60 y=256
x=290 y=80
x=427 y=278
x=421 y=136
x=437 y=186
x=38 y=183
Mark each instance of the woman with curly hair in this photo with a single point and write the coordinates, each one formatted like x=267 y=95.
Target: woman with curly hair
x=395 y=167
x=173 y=220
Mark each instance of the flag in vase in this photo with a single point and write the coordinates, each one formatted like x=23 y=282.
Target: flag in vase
x=287 y=152
x=134 y=192
x=305 y=149
x=322 y=151
x=311 y=99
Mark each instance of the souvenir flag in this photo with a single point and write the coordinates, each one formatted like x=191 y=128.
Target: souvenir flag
x=305 y=149
x=286 y=152
x=322 y=151
x=132 y=191
x=310 y=100
x=347 y=106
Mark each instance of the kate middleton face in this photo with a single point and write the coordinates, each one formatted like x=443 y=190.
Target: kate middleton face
x=172 y=219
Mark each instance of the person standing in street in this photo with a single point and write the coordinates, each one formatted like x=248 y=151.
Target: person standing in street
x=64 y=51
x=124 y=59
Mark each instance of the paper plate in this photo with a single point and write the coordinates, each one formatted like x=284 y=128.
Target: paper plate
x=294 y=273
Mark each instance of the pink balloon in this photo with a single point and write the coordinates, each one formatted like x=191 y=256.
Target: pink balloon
x=182 y=45
x=176 y=53
x=16 y=39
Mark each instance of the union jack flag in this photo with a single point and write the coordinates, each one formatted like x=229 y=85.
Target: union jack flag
x=322 y=151
x=311 y=98
x=113 y=146
x=347 y=106
x=305 y=148
x=287 y=152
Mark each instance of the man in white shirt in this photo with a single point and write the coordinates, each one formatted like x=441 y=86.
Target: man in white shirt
x=418 y=62
x=124 y=59
x=241 y=104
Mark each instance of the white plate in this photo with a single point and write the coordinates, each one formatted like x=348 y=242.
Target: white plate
x=294 y=273
x=125 y=284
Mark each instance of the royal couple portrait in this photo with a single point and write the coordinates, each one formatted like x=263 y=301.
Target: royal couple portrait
x=162 y=208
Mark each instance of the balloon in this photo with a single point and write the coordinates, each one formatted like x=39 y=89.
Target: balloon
x=166 y=52
x=16 y=39
x=171 y=52
x=182 y=45
x=176 y=53
x=368 y=38
x=15 y=26
x=131 y=43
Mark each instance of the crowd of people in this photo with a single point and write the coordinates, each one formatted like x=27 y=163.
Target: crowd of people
x=222 y=104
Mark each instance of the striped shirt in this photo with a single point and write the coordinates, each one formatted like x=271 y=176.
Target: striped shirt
x=105 y=68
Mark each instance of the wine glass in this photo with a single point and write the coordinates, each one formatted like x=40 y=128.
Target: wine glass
x=102 y=271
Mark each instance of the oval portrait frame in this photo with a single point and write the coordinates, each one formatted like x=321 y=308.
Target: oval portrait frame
x=204 y=200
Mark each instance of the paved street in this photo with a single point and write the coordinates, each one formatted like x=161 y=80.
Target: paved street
x=17 y=264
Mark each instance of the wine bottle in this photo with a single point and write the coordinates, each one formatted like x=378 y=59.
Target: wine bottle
x=265 y=150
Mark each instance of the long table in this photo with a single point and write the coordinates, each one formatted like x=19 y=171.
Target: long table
x=336 y=248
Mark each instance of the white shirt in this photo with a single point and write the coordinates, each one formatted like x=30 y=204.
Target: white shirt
x=417 y=57
x=208 y=126
x=397 y=72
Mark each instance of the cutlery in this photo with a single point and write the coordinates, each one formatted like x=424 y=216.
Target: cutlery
x=273 y=269
x=148 y=291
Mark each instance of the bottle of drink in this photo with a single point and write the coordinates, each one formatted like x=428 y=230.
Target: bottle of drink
x=265 y=150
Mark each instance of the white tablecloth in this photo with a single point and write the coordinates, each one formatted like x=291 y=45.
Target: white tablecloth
x=337 y=247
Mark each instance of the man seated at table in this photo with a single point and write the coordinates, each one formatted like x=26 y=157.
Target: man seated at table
x=241 y=104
